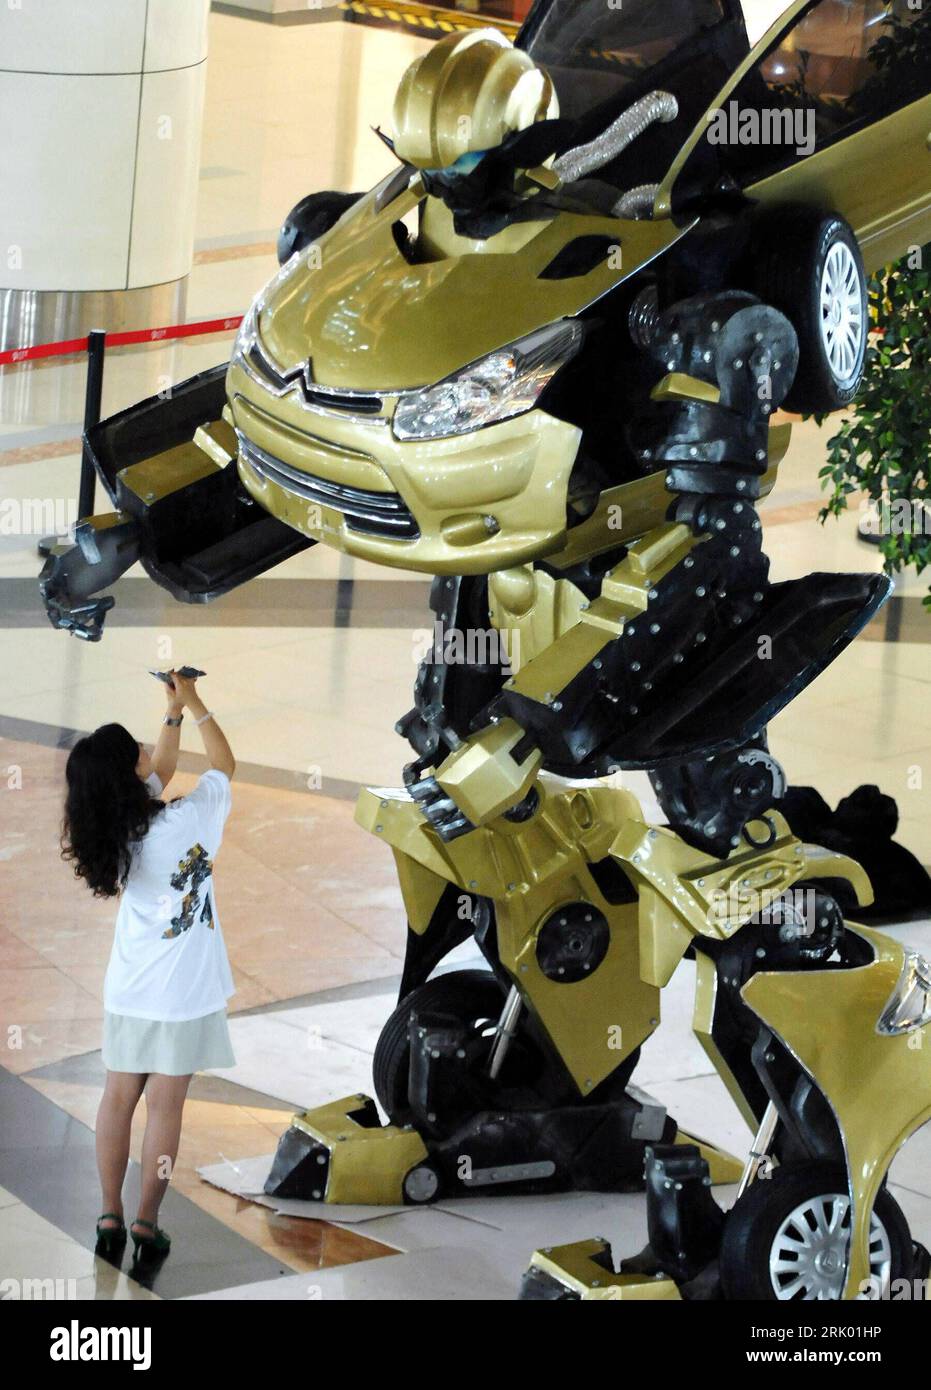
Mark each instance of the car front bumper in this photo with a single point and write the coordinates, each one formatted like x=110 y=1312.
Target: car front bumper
x=470 y=504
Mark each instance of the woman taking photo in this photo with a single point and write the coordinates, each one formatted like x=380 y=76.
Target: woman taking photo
x=169 y=978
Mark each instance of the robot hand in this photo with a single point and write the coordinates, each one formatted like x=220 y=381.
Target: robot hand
x=488 y=775
x=440 y=810
x=105 y=547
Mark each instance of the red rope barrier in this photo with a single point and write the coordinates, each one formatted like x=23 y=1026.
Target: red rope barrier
x=70 y=346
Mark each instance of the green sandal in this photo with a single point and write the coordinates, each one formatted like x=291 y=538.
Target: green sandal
x=110 y=1239
x=158 y=1243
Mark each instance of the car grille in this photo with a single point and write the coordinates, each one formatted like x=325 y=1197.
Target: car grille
x=353 y=402
x=375 y=513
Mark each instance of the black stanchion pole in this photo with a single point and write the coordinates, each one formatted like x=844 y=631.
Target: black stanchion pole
x=96 y=345
x=93 y=391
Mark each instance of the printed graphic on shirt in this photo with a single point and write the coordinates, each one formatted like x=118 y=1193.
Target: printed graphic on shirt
x=192 y=872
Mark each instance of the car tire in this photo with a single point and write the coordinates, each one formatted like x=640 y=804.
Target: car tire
x=469 y=995
x=309 y=219
x=777 y=1214
x=808 y=265
x=476 y=997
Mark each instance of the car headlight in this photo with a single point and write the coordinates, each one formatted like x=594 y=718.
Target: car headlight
x=503 y=384
x=910 y=1005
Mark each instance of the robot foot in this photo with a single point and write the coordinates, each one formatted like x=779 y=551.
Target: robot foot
x=679 y=1261
x=341 y=1153
x=697 y=1252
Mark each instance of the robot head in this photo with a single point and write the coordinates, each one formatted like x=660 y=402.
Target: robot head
x=464 y=97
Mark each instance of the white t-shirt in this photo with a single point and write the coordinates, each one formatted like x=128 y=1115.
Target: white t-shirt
x=169 y=959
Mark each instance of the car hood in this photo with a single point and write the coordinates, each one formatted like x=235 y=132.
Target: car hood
x=369 y=320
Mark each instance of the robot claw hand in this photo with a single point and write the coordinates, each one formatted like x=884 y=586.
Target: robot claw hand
x=440 y=810
x=86 y=620
x=489 y=774
x=105 y=547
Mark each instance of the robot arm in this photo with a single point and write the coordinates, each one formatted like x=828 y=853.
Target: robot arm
x=169 y=467
x=558 y=709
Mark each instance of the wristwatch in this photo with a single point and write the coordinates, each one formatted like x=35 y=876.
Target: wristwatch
x=173 y=723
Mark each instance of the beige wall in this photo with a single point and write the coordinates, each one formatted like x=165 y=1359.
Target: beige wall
x=760 y=14
x=280 y=6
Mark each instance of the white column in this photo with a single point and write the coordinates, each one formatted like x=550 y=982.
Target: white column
x=100 y=107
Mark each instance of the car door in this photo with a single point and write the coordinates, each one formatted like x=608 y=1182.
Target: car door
x=832 y=109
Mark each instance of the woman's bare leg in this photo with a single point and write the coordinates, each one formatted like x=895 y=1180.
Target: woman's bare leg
x=164 y=1099
x=114 y=1125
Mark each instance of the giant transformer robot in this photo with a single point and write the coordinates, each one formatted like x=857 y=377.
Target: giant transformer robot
x=581 y=477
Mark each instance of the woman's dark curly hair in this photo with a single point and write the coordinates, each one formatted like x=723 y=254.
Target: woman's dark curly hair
x=107 y=808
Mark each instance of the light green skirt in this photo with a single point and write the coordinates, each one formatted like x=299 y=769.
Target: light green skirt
x=167 y=1049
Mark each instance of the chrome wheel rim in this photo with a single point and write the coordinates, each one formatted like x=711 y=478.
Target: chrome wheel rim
x=842 y=321
x=808 y=1259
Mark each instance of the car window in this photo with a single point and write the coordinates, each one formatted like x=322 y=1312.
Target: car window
x=844 y=64
x=593 y=49
x=604 y=56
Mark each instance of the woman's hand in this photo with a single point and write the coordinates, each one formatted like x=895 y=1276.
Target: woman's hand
x=173 y=701
x=181 y=693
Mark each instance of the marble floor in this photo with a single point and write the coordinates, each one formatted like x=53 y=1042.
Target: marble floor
x=309 y=668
